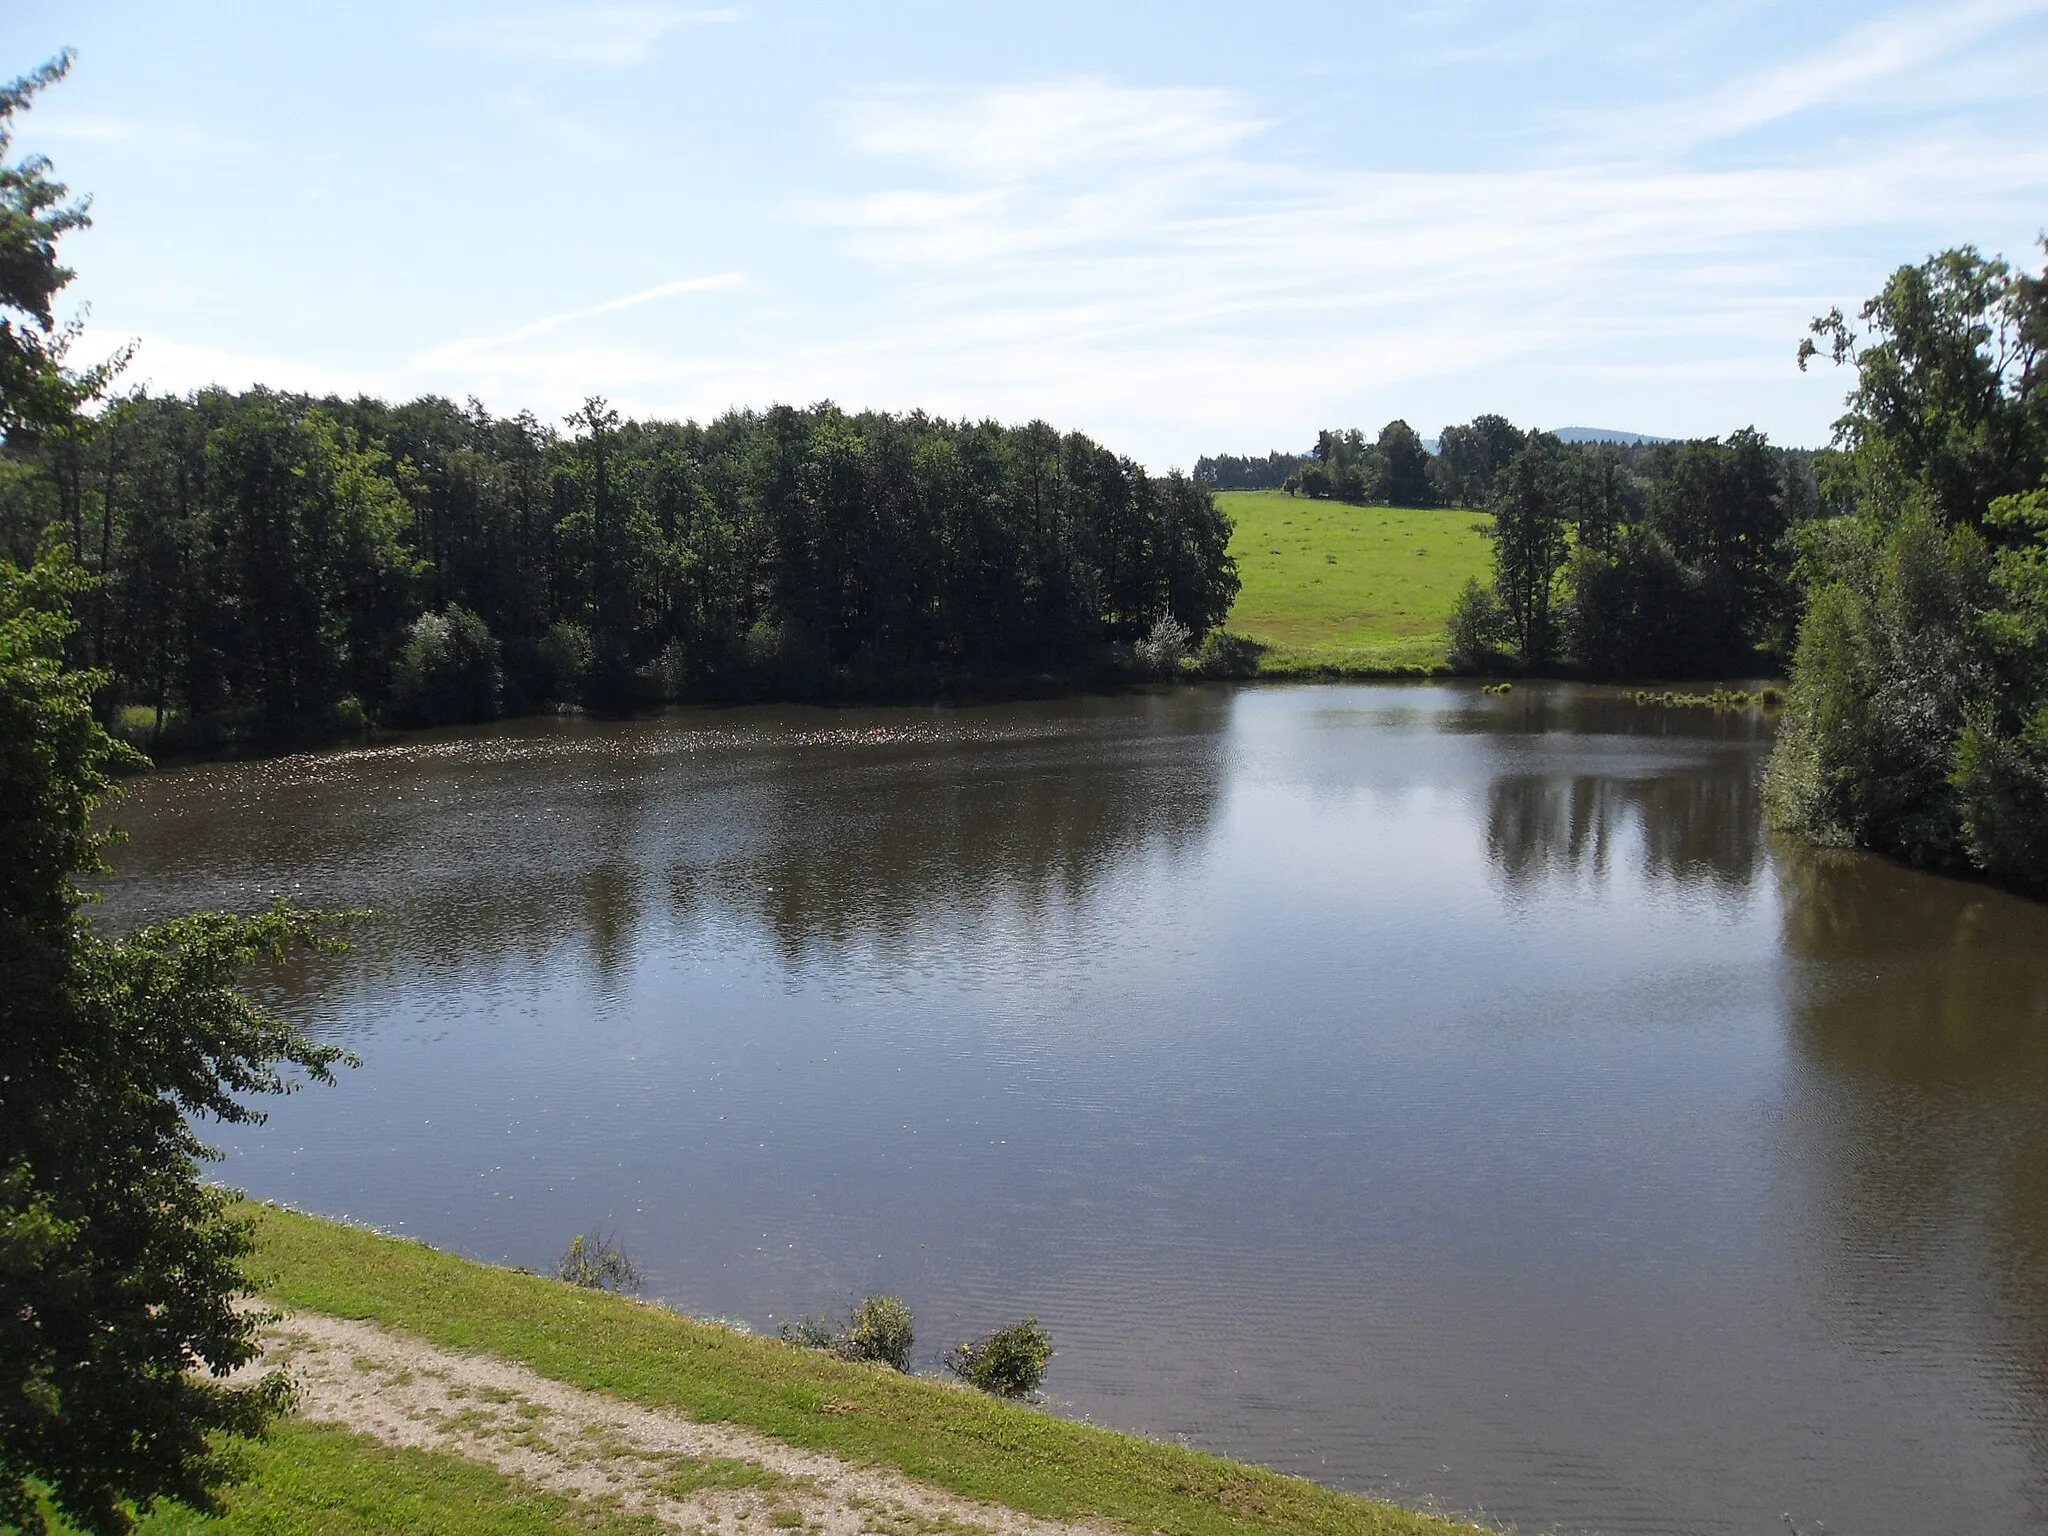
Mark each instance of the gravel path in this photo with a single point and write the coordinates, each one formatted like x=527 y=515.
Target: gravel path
x=690 y=1476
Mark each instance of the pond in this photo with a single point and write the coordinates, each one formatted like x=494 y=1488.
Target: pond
x=1447 y=1096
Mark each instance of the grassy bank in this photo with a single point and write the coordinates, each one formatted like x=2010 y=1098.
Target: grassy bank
x=1360 y=591
x=942 y=1434
x=315 y=1480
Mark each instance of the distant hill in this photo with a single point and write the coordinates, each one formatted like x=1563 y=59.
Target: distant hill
x=1604 y=435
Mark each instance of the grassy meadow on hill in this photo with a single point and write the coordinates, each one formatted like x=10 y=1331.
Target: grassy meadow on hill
x=1331 y=587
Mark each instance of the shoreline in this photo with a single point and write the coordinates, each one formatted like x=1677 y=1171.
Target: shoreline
x=934 y=1433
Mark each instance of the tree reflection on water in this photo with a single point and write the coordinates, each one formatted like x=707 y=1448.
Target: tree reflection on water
x=1917 y=1011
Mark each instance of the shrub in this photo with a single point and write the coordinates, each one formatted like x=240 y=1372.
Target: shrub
x=448 y=672
x=1009 y=1362
x=1477 y=631
x=350 y=718
x=881 y=1331
x=596 y=1261
x=1224 y=655
x=1159 y=653
x=809 y=1332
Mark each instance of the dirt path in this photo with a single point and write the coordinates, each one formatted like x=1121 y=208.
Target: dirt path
x=690 y=1476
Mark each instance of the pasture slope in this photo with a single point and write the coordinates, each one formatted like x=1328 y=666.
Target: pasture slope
x=447 y=1396
x=1336 y=590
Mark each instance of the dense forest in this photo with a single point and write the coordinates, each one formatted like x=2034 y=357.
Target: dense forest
x=1652 y=560
x=269 y=566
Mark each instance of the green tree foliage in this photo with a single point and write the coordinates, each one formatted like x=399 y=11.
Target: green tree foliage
x=1391 y=471
x=37 y=393
x=1531 y=542
x=1664 y=559
x=1476 y=635
x=881 y=1329
x=265 y=559
x=448 y=671
x=1010 y=1362
x=1918 y=721
x=1470 y=458
x=1403 y=465
x=1948 y=395
x=1235 y=472
x=118 y=1267
x=1682 y=566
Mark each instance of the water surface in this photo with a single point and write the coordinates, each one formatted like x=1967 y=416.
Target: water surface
x=1446 y=1096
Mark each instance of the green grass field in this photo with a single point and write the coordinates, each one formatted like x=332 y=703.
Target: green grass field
x=1330 y=588
x=313 y=1478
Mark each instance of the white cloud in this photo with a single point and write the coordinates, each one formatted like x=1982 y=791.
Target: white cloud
x=1128 y=255
x=167 y=364
x=603 y=36
x=1850 y=69
x=450 y=353
x=1164 y=268
x=1017 y=132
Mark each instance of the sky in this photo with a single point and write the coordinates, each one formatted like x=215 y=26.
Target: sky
x=1184 y=229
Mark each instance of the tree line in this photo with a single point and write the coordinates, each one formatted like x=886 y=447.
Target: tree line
x=269 y=566
x=1241 y=472
x=1653 y=560
x=1900 y=575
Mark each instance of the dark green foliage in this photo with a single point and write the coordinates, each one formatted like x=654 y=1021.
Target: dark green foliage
x=880 y=1329
x=1392 y=471
x=1008 y=1363
x=1918 y=722
x=1230 y=472
x=1478 y=633
x=117 y=1266
x=1651 y=560
x=1634 y=612
x=1949 y=386
x=1531 y=541
x=1889 y=659
x=1404 y=467
x=1469 y=459
x=597 y=1261
x=1224 y=656
x=265 y=557
x=448 y=671
x=2001 y=788
x=37 y=394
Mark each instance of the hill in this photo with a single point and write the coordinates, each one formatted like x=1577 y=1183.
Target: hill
x=1605 y=435
x=1334 y=588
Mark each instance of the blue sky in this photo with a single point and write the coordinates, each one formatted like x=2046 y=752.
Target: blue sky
x=1182 y=228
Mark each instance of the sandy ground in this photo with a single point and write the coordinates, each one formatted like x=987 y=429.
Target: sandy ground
x=690 y=1476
